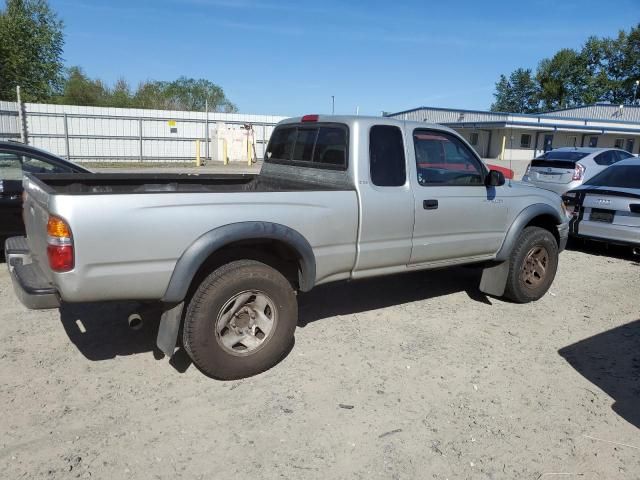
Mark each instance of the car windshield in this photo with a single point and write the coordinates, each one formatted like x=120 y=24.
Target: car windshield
x=562 y=155
x=620 y=176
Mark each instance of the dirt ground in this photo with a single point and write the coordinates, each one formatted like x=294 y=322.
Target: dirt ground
x=412 y=376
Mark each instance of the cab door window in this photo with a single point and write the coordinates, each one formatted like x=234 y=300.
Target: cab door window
x=443 y=159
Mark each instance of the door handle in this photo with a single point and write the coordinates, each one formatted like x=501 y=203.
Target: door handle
x=430 y=204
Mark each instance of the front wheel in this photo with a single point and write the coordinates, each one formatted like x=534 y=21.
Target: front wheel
x=532 y=265
x=240 y=321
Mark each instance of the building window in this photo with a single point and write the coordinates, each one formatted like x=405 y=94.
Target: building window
x=386 y=156
x=525 y=140
x=593 y=142
x=630 y=143
x=619 y=143
x=474 y=138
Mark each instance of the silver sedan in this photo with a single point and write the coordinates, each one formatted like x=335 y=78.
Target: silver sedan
x=607 y=207
x=563 y=169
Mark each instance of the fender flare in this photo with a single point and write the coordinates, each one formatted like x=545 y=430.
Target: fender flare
x=208 y=243
x=494 y=275
x=523 y=218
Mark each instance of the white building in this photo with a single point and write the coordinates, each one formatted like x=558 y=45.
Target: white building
x=516 y=136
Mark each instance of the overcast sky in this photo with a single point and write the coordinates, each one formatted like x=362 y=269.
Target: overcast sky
x=289 y=57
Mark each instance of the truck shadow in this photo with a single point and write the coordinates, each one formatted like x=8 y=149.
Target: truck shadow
x=346 y=298
x=100 y=330
x=611 y=361
x=603 y=250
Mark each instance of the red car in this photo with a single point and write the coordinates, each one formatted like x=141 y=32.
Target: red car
x=441 y=153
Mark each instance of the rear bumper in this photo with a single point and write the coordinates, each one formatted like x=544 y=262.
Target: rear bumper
x=607 y=239
x=627 y=235
x=31 y=286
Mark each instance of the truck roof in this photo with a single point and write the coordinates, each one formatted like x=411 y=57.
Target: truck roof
x=363 y=120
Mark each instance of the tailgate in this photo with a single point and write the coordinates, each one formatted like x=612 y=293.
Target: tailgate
x=36 y=216
x=552 y=171
x=616 y=210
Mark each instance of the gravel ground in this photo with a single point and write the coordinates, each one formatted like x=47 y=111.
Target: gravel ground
x=411 y=376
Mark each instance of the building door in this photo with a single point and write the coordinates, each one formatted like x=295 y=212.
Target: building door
x=548 y=143
x=630 y=143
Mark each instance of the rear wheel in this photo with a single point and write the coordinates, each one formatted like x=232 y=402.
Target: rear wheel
x=532 y=265
x=241 y=320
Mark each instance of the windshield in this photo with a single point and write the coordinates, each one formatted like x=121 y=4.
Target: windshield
x=620 y=176
x=562 y=155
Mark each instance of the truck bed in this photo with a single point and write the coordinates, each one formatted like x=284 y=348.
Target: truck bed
x=127 y=183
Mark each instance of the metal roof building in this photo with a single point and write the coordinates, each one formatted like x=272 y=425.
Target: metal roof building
x=516 y=136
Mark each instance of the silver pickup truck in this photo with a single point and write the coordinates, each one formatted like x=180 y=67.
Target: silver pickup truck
x=338 y=198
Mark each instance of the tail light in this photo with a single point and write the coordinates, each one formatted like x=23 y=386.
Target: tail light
x=310 y=118
x=569 y=202
x=59 y=245
x=578 y=172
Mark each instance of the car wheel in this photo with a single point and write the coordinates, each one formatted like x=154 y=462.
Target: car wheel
x=532 y=265
x=240 y=321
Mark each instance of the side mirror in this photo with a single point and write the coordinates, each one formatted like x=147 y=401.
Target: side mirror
x=494 y=179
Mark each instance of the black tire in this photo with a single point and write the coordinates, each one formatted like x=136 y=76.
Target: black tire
x=202 y=342
x=523 y=283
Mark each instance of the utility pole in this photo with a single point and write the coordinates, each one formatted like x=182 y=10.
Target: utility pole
x=333 y=104
x=635 y=91
x=206 y=130
x=22 y=121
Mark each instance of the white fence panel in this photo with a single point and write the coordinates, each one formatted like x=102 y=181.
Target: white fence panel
x=98 y=134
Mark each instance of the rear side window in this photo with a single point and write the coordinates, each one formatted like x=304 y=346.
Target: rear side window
x=623 y=155
x=10 y=167
x=305 y=142
x=281 y=143
x=312 y=146
x=562 y=155
x=620 y=176
x=606 y=158
x=13 y=165
x=386 y=156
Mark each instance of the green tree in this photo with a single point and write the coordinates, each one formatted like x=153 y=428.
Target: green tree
x=181 y=94
x=31 y=42
x=562 y=80
x=603 y=70
x=613 y=66
x=79 y=89
x=191 y=94
x=150 y=94
x=120 y=96
x=518 y=93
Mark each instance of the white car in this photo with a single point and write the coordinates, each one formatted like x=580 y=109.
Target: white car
x=607 y=207
x=566 y=168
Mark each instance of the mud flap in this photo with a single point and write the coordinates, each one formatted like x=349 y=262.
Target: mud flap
x=169 y=328
x=494 y=279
